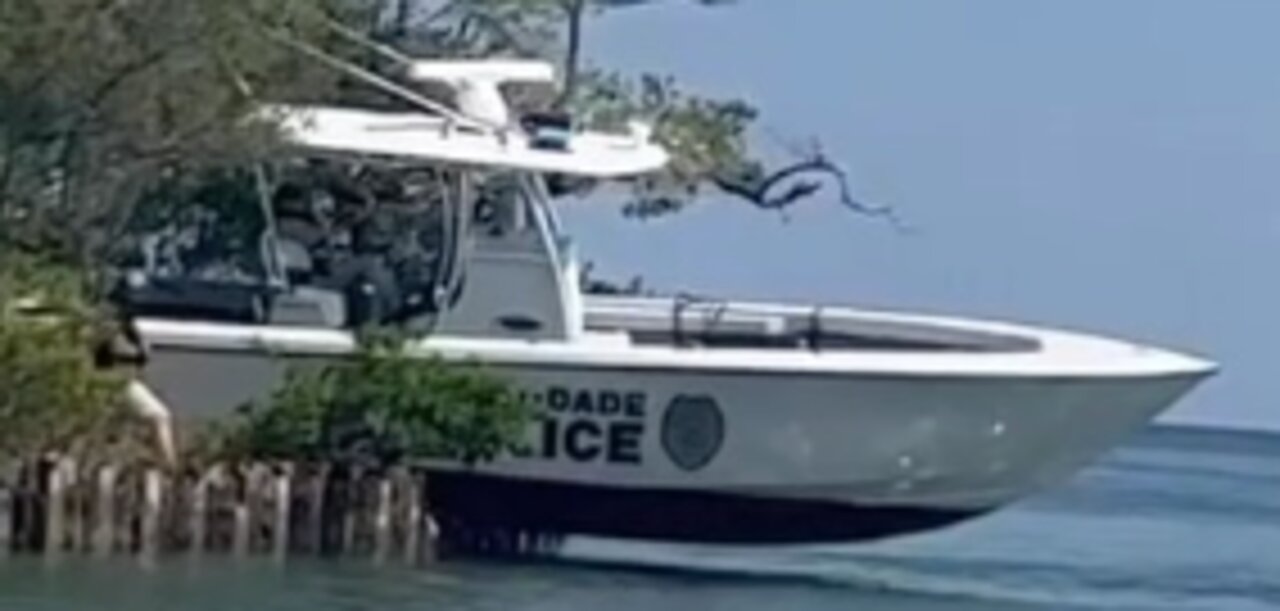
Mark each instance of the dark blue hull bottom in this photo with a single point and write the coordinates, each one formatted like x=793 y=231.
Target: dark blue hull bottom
x=483 y=503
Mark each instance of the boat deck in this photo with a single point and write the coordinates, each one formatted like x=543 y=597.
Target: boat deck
x=723 y=324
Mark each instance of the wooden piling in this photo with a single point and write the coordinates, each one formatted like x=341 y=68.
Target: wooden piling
x=382 y=521
x=28 y=509
x=152 y=506
x=350 y=509
x=281 y=529
x=103 y=539
x=430 y=528
x=127 y=497
x=257 y=497
x=55 y=507
x=55 y=497
x=412 y=519
x=73 y=506
x=6 y=518
x=199 y=516
x=240 y=516
x=313 y=527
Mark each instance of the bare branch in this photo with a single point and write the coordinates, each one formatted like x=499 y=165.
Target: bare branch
x=763 y=191
x=575 y=13
x=502 y=29
x=126 y=72
x=374 y=79
x=351 y=35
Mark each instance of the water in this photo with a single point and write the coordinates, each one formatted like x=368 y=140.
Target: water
x=1179 y=519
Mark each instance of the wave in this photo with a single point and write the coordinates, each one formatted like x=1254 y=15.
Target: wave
x=1211 y=439
x=1011 y=583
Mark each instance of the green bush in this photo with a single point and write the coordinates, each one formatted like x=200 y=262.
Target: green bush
x=381 y=407
x=52 y=397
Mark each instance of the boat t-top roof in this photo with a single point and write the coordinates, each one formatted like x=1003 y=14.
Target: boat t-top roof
x=479 y=132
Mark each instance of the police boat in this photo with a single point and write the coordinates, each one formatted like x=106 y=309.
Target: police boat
x=662 y=418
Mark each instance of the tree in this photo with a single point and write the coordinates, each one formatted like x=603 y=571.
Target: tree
x=708 y=138
x=109 y=105
x=53 y=397
x=100 y=100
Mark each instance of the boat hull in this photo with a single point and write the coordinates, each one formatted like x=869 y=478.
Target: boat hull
x=488 y=503
x=746 y=456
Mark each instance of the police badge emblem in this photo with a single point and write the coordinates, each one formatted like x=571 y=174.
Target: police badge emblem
x=692 y=431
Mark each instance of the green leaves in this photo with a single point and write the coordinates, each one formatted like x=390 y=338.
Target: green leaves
x=382 y=407
x=52 y=397
x=99 y=100
x=707 y=138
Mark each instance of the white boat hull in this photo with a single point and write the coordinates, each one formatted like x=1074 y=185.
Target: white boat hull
x=742 y=454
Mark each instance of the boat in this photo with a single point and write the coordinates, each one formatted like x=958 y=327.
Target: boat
x=670 y=418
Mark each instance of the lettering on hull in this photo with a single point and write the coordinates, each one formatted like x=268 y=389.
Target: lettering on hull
x=595 y=426
x=589 y=426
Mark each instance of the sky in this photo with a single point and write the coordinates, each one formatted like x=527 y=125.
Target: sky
x=1096 y=165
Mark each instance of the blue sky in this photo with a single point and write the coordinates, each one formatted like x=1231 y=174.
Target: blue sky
x=1100 y=165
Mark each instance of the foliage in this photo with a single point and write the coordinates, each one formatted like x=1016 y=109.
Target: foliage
x=206 y=223
x=708 y=138
x=101 y=99
x=114 y=111
x=52 y=397
x=380 y=407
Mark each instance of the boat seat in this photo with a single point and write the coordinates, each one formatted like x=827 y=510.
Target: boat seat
x=295 y=260
x=306 y=306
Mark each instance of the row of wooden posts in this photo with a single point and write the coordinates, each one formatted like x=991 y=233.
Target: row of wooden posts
x=55 y=506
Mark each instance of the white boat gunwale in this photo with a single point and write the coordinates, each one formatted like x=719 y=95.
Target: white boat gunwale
x=1062 y=355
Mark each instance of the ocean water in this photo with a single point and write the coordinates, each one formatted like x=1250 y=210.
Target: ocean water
x=1178 y=519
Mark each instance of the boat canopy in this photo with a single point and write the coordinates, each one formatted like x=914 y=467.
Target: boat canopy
x=486 y=70
x=419 y=136
x=478 y=131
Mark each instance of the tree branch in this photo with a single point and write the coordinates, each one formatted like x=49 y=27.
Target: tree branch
x=7 y=165
x=374 y=79
x=761 y=191
x=400 y=19
x=123 y=74
x=575 y=13
x=71 y=34
x=495 y=25
x=386 y=51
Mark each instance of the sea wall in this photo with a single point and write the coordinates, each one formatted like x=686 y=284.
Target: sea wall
x=56 y=506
